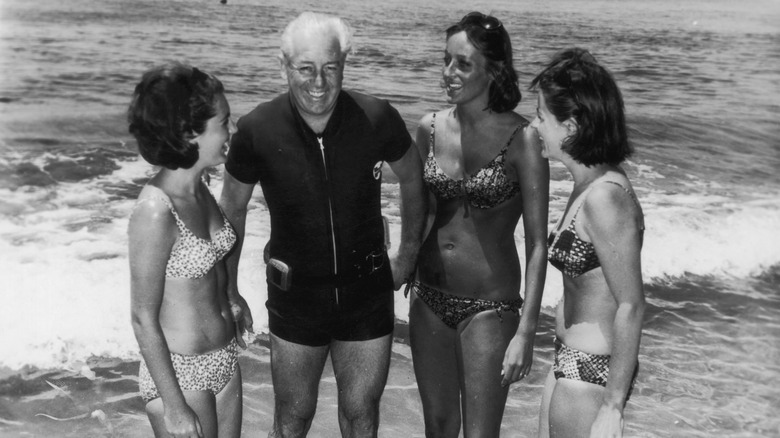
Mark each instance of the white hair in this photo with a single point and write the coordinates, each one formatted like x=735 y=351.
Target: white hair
x=313 y=23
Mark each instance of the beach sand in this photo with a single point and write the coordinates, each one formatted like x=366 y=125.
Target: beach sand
x=101 y=398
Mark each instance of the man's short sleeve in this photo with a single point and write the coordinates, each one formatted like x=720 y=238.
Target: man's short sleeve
x=395 y=135
x=241 y=160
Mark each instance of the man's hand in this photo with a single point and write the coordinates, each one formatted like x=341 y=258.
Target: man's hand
x=402 y=269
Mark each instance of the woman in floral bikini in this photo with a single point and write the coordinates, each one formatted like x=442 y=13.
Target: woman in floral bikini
x=483 y=170
x=187 y=327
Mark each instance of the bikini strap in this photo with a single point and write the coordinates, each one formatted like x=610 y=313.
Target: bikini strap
x=410 y=282
x=633 y=198
x=164 y=198
x=432 y=140
x=219 y=207
x=584 y=196
x=625 y=189
x=511 y=137
x=205 y=183
x=514 y=133
x=577 y=211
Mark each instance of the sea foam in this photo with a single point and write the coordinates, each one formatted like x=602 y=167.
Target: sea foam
x=65 y=274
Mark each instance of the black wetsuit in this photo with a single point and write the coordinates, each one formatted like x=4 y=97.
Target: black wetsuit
x=323 y=195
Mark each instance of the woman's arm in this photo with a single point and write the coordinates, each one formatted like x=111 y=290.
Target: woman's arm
x=423 y=138
x=610 y=220
x=151 y=234
x=533 y=172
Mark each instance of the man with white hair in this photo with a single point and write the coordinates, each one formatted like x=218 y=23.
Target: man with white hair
x=317 y=152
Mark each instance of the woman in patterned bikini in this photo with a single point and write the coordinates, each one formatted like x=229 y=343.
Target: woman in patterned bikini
x=469 y=338
x=187 y=328
x=596 y=245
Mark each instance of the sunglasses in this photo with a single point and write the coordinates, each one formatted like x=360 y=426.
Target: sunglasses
x=486 y=22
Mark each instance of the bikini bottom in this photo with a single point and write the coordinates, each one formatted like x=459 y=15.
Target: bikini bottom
x=591 y=368
x=200 y=372
x=453 y=309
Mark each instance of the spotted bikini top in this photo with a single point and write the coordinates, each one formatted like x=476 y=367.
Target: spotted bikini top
x=487 y=188
x=570 y=254
x=193 y=257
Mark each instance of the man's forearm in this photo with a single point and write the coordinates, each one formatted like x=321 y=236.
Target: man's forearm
x=413 y=213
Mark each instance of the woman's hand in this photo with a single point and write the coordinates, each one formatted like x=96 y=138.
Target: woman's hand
x=518 y=358
x=608 y=423
x=182 y=422
x=242 y=317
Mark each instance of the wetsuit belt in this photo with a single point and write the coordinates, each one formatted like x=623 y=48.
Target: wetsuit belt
x=359 y=267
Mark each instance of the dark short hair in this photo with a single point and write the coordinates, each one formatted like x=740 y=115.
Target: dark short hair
x=494 y=44
x=171 y=105
x=576 y=86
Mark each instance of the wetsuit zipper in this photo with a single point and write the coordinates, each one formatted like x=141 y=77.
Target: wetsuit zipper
x=330 y=212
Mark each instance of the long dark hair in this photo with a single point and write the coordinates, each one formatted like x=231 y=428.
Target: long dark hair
x=487 y=34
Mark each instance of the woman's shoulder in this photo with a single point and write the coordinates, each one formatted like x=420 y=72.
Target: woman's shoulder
x=524 y=138
x=612 y=200
x=428 y=125
x=153 y=207
x=425 y=121
x=613 y=187
x=428 y=119
x=509 y=123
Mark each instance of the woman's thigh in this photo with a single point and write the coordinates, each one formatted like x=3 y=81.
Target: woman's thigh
x=544 y=410
x=573 y=407
x=202 y=403
x=435 y=363
x=229 y=404
x=482 y=343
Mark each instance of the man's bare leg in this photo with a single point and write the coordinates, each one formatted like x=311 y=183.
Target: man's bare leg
x=361 y=369
x=295 y=370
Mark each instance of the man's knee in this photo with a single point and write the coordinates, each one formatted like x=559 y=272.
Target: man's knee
x=361 y=420
x=366 y=408
x=292 y=418
x=300 y=407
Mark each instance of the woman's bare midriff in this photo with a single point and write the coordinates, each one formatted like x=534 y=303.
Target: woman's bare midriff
x=195 y=319
x=585 y=315
x=471 y=252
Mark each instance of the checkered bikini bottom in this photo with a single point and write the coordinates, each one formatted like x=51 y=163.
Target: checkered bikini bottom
x=575 y=365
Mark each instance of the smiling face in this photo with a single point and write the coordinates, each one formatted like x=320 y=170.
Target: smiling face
x=464 y=74
x=314 y=71
x=552 y=132
x=213 y=142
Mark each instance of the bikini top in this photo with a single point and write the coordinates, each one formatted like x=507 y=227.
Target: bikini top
x=487 y=188
x=570 y=254
x=193 y=257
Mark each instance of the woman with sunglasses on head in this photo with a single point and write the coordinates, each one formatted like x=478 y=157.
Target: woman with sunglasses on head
x=596 y=245
x=181 y=314
x=471 y=332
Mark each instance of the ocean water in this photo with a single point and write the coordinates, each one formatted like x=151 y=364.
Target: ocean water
x=701 y=81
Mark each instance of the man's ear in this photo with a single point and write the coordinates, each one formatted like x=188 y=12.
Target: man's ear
x=282 y=66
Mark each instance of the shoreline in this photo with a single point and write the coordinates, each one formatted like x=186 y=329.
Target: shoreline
x=101 y=399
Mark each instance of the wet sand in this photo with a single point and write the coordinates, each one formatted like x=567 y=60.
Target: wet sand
x=101 y=399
